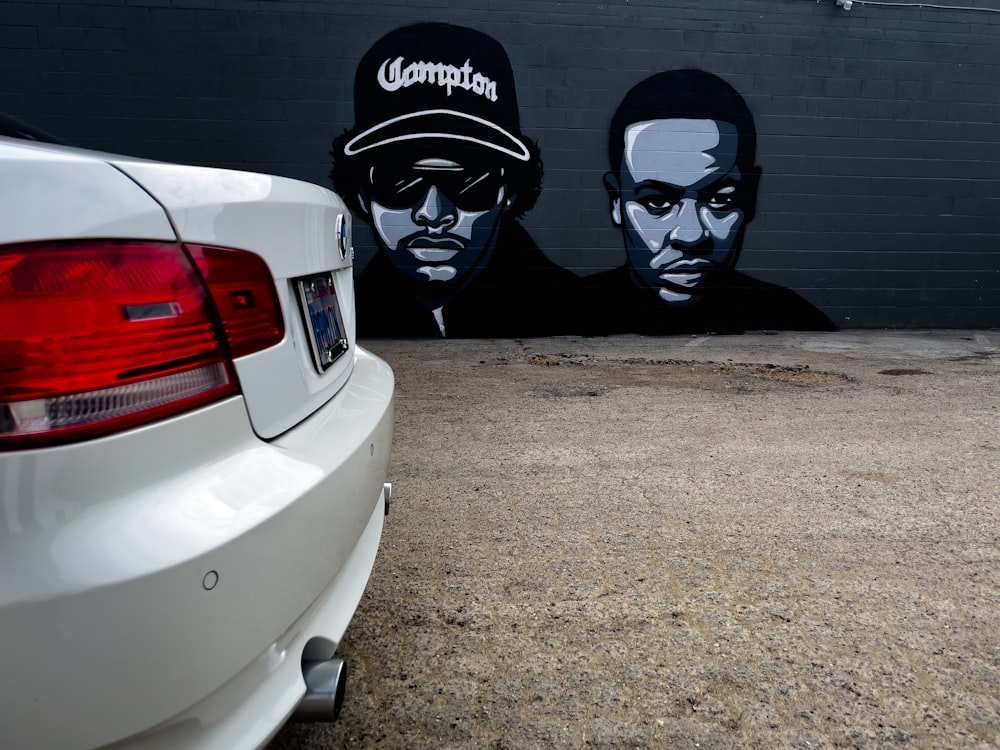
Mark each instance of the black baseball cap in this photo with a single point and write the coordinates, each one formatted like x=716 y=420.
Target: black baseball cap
x=436 y=81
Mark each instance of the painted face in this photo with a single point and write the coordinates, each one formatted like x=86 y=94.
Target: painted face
x=437 y=219
x=680 y=203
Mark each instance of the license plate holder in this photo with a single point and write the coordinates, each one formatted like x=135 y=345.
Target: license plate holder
x=321 y=315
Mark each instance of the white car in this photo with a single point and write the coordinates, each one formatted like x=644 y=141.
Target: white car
x=193 y=452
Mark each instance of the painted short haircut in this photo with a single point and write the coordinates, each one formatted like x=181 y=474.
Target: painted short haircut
x=688 y=94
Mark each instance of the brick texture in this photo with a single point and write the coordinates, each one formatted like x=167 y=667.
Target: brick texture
x=879 y=127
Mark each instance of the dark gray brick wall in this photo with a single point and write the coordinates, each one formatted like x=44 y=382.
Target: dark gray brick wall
x=879 y=127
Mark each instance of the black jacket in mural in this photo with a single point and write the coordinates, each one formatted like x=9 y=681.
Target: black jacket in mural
x=731 y=302
x=520 y=293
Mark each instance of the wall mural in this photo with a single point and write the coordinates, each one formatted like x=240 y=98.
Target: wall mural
x=436 y=163
x=683 y=187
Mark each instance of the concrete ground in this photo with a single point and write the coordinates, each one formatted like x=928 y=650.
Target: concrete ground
x=761 y=541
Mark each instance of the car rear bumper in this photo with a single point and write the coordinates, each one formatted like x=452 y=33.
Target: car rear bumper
x=164 y=598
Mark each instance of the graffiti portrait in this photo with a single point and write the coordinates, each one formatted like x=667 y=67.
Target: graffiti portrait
x=682 y=189
x=436 y=163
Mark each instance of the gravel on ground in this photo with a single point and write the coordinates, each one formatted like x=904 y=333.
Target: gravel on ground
x=757 y=541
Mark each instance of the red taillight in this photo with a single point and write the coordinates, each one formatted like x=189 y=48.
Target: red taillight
x=244 y=295
x=97 y=336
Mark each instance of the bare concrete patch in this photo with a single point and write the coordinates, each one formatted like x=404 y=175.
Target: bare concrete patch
x=976 y=357
x=677 y=373
x=871 y=476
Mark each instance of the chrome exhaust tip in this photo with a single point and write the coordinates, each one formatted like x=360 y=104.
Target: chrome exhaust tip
x=325 y=684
